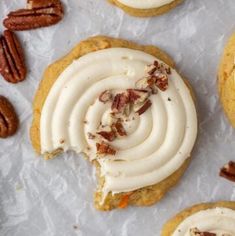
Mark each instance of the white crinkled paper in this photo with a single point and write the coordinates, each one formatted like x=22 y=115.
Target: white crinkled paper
x=55 y=198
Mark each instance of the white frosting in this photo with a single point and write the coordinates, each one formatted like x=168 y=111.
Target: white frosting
x=158 y=142
x=145 y=4
x=220 y=221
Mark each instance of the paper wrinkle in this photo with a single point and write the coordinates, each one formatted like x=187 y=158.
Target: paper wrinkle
x=47 y=198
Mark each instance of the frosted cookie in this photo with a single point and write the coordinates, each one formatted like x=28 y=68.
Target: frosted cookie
x=125 y=107
x=226 y=80
x=146 y=8
x=207 y=219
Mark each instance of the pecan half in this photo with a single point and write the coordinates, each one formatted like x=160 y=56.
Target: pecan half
x=8 y=118
x=145 y=107
x=12 y=65
x=228 y=171
x=105 y=149
x=40 y=13
x=196 y=232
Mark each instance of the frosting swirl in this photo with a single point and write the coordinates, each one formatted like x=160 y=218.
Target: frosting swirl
x=158 y=142
x=218 y=221
x=146 y=4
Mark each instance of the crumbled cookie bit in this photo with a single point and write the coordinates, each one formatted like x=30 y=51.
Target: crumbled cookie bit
x=228 y=171
x=169 y=99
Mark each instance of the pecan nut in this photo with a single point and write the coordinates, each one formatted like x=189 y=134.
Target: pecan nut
x=8 y=118
x=39 y=13
x=12 y=65
x=144 y=108
x=196 y=232
x=105 y=149
x=228 y=171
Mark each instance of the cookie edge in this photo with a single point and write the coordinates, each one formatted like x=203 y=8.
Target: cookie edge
x=169 y=227
x=147 y=12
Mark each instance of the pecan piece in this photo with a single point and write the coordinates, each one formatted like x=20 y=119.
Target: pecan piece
x=108 y=135
x=118 y=128
x=12 y=65
x=119 y=102
x=228 y=171
x=105 y=96
x=137 y=95
x=162 y=82
x=8 y=118
x=196 y=232
x=38 y=14
x=105 y=149
x=145 y=107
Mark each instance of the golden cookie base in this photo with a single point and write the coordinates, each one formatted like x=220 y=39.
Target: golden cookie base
x=173 y=223
x=226 y=80
x=146 y=12
x=142 y=197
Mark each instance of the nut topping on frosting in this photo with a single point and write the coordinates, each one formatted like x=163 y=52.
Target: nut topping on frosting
x=228 y=171
x=156 y=78
x=106 y=96
x=196 y=232
x=105 y=149
x=126 y=101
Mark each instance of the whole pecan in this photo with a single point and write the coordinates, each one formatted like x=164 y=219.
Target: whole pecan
x=12 y=65
x=8 y=118
x=228 y=171
x=39 y=13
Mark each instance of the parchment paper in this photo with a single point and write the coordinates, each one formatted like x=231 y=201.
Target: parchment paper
x=54 y=198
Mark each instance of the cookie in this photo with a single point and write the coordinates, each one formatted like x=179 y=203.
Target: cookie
x=124 y=106
x=226 y=80
x=208 y=219
x=142 y=8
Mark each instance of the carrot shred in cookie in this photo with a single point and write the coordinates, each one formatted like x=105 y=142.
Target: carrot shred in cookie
x=124 y=201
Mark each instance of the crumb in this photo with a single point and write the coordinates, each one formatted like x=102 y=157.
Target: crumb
x=169 y=99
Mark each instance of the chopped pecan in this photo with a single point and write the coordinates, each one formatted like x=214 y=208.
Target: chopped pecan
x=8 y=118
x=108 y=135
x=105 y=149
x=118 y=128
x=38 y=14
x=228 y=171
x=145 y=107
x=162 y=82
x=137 y=95
x=105 y=96
x=196 y=232
x=119 y=102
x=12 y=65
